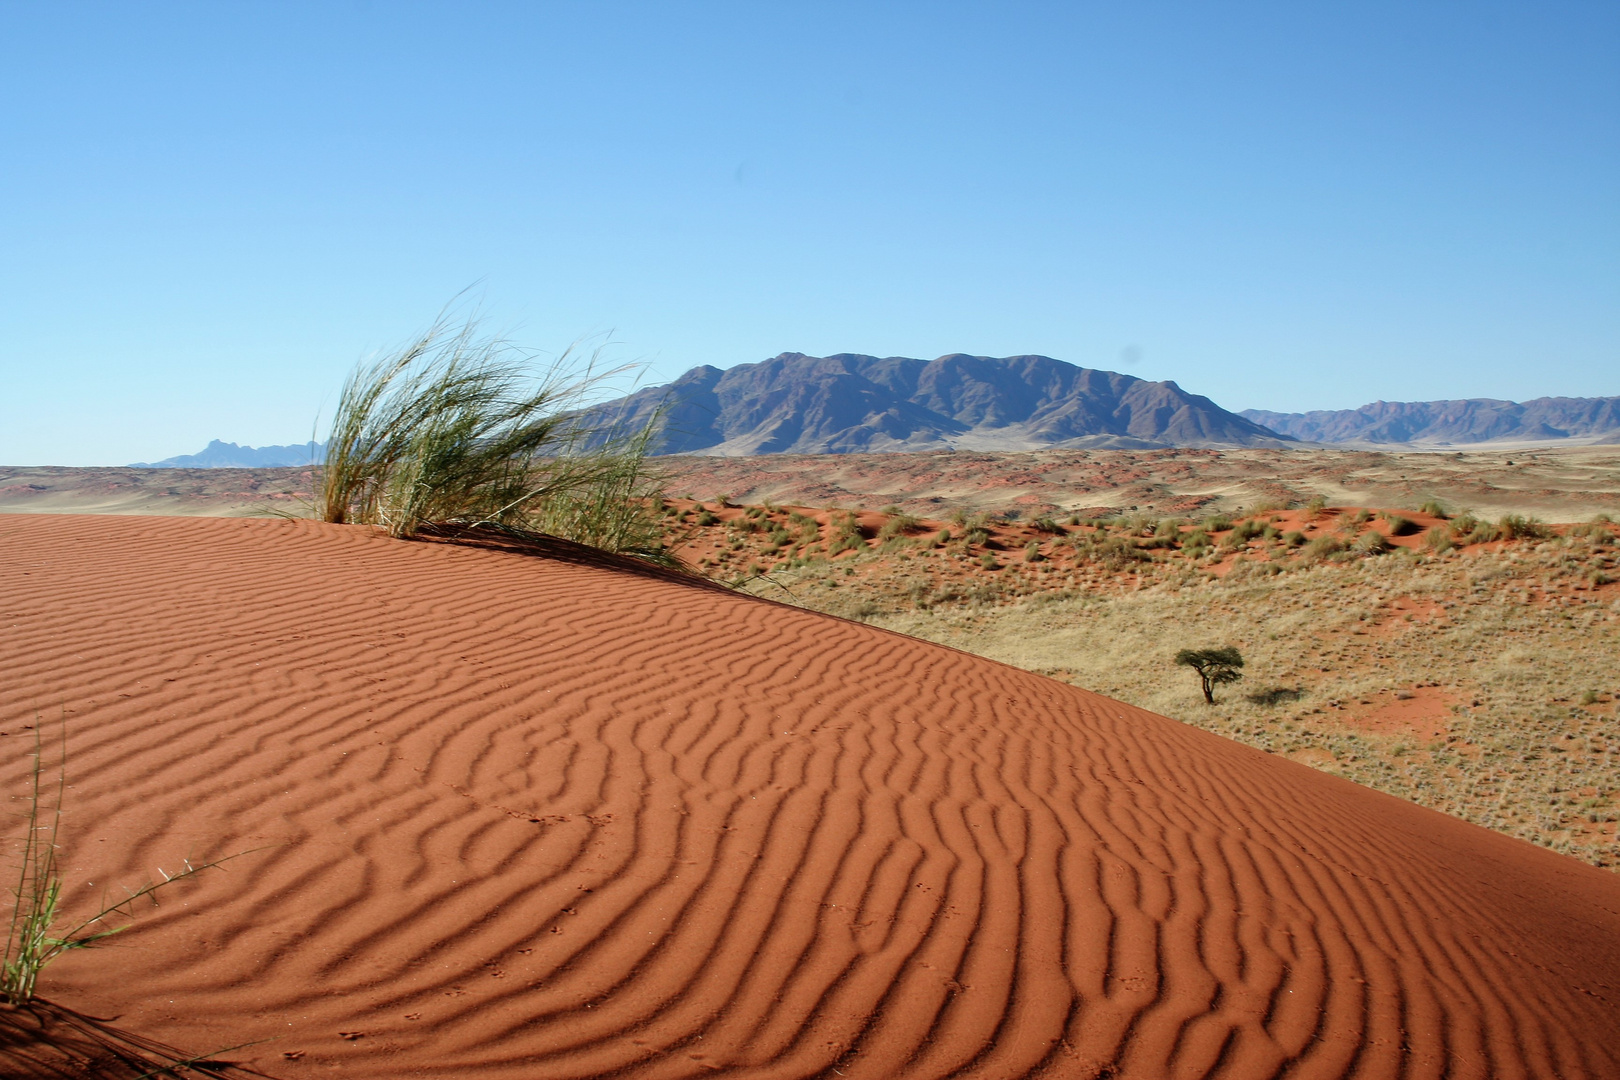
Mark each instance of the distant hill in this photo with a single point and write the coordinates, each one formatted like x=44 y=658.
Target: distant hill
x=848 y=403
x=227 y=455
x=1471 y=420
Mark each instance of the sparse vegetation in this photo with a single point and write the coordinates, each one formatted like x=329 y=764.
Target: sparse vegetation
x=1215 y=667
x=33 y=938
x=461 y=430
x=1491 y=644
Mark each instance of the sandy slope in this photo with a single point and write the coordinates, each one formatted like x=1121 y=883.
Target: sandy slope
x=536 y=818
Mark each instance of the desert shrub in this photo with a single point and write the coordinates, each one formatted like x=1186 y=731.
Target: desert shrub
x=847 y=534
x=1247 y=530
x=1217 y=523
x=1322 y=547
x=704 y=517
x=988 y=561
x=1268 y=506
x=1518 y=527
x=1401 y=526
x=1373 y=543
x=1438 y=539
x=1434 y=509
x=1362 y=516
x=1046 y=525
x=461 y=430
x=898 y=525
x=1314 y=508
x=942 y=538
x=976 y=534
x=1294 y=538
x=1032 y=552
x=1116 y=552
x=1467 y=529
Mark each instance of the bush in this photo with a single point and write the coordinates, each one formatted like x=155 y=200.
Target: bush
x=1518 y=527
x=1247 y=530
x=1032 y=552
x=458 y=430
x=1467 y=529
x=1321 y=548
x=1116 y=552
x=847 y=535
x=1400 y=526
x=898 y=525
x=1373 y=543
x=1434 y=509
x=1438 y=539
x=1294 y=538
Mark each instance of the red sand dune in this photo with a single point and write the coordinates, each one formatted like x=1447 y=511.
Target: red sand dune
x=539 y=818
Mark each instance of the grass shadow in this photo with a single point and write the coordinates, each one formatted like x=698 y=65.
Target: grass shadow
x=497 y=538
x=46 y=1041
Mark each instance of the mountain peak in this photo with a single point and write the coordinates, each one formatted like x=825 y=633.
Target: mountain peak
x=852 y=402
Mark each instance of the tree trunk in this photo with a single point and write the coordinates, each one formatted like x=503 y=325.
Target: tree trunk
x=1209 y=691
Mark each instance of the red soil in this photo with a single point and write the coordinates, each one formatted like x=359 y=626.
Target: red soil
x=540 y=818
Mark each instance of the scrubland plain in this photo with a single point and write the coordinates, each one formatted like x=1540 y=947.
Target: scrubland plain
x=516 y=809
x=1464 y=665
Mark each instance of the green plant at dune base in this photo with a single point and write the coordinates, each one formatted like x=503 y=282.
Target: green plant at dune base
x=32 y=939
x=459 y=430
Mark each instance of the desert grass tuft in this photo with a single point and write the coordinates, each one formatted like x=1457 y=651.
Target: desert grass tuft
x=32 y=938
x=463 y=430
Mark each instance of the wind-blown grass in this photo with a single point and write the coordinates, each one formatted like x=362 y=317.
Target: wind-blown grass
x=458 y=430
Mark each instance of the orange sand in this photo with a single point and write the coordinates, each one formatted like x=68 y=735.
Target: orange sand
x=542 y=819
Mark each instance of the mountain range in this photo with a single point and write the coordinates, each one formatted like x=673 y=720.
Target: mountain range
x=849 y=403
x=1437 y=423
x=228 y=455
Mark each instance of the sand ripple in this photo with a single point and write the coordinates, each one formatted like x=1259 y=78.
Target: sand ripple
x=530 y=818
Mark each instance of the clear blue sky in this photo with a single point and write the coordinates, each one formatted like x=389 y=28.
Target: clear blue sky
x=209 y=212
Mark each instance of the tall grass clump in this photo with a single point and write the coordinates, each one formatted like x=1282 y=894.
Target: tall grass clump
x=458 y=429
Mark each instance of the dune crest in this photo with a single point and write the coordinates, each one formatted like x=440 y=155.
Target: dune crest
x=540 y=818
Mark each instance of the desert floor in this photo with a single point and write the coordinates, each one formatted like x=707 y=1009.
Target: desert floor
x=551 y=814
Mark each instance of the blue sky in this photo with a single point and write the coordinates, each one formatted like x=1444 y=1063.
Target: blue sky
x=212 y=211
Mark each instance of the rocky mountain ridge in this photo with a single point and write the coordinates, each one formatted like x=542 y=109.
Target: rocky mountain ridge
x=1439 y=423
x=850 y=403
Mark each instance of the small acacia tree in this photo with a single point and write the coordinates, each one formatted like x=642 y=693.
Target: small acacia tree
x=1214 y=667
